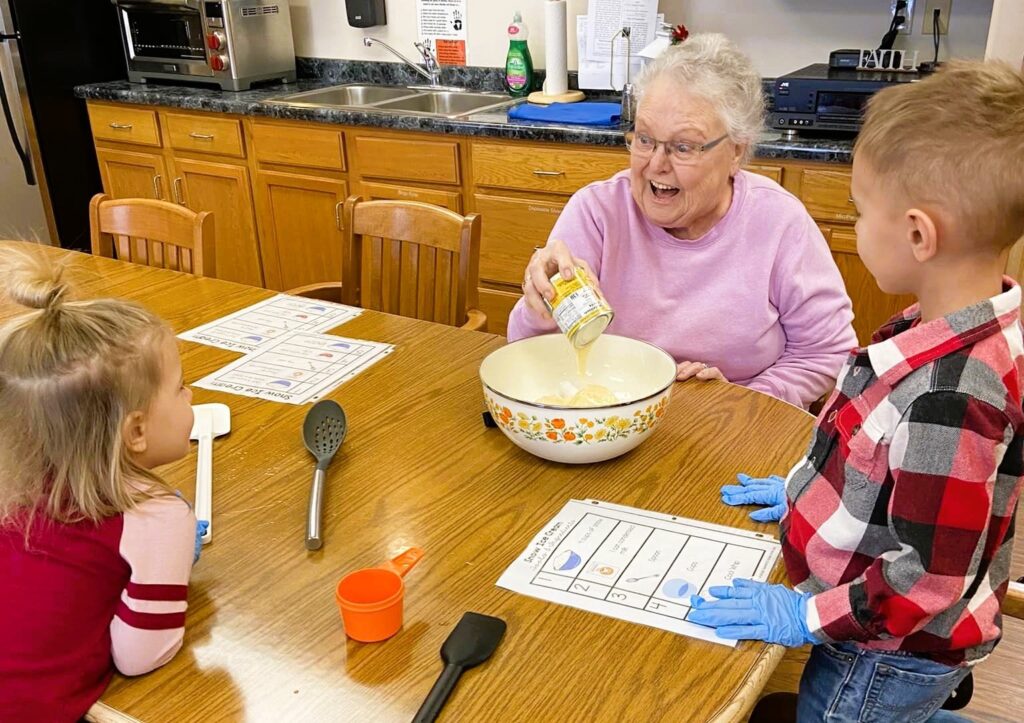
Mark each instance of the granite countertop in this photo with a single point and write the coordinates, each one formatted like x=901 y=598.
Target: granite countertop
x=257 y=102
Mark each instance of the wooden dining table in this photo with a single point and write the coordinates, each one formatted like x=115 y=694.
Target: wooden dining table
x=263 y=638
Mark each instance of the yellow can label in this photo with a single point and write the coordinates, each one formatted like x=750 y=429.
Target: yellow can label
x=580 y=312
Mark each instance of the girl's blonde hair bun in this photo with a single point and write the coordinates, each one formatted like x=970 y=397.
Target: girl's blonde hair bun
x=33 y=280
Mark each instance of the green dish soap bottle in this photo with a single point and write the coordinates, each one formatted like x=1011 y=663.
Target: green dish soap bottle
x=518 y=79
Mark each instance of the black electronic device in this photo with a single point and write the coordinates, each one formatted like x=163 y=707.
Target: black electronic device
x=366 y=13
x=820 y=98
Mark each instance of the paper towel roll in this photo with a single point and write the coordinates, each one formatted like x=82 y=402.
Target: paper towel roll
x=555 y=54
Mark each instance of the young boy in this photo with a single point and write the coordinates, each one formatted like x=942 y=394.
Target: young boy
x=897 y=526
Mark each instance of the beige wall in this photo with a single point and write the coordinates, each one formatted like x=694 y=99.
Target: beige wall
x=1006 y=36
x=780 y=35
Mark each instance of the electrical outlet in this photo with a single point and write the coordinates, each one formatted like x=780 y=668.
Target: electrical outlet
x=908 y=25
x=944 y=7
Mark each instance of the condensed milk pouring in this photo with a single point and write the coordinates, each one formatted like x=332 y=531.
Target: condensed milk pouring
x=580 y=311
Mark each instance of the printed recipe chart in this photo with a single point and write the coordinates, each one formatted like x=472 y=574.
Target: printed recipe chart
x=296 y=368
x=636 y=565
x=258 y=326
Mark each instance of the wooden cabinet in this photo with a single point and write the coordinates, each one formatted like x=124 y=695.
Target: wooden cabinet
x=224 y=190
x=276 y=190
x=408 y=159
x=132 y=174
x=300 y=227
x=394 y=192
x=119 y=124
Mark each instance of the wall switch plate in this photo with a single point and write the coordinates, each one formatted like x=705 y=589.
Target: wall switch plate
x=930 y=6
x=908 y=25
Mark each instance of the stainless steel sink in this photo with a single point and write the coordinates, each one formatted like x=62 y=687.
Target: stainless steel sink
x=447 y=103
x=348 y=96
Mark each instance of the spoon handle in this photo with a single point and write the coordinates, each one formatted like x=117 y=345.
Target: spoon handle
x=438 y=695
x=314 y=541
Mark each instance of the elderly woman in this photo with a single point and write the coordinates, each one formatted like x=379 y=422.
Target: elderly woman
x=722 y=268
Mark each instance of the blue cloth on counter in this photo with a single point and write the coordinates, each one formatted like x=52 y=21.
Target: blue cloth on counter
x=587 y=113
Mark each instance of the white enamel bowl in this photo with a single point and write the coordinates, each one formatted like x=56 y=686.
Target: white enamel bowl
x=514 y=376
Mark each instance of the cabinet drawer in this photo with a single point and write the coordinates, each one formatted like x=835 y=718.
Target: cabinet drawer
x=826 y=194
x=124 y=125
x=206 y=134
x=843 y=241
x=530 y=168
x=446 y=199
x=497 y=305
x=299 y=146
x=432 y=161
x=772 y=172
x=509 y=230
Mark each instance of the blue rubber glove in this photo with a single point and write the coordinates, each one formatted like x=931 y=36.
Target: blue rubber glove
x=201 y=526
x=770 y=491
x=750 y=610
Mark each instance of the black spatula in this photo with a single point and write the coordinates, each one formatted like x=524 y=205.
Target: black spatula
x=472 y=642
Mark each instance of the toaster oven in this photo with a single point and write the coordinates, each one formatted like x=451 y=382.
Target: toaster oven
x=230 y=43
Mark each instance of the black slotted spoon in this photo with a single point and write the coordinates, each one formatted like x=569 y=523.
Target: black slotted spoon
x=323 y=431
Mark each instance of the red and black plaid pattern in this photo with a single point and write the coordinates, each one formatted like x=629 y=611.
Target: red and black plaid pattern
x=900 y=518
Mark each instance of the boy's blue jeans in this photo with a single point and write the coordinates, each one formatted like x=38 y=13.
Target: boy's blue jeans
x=843 y=683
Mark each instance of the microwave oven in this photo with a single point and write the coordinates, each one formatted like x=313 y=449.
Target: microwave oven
x=229 y=43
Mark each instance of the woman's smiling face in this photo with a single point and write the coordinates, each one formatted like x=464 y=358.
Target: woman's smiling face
x=685 y=199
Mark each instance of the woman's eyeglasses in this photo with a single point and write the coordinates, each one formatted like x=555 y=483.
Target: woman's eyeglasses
x=681 y=152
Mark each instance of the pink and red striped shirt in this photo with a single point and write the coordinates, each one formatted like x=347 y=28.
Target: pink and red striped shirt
x=82 y=599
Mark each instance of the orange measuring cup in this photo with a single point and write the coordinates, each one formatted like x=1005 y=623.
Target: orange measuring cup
x=370 y=600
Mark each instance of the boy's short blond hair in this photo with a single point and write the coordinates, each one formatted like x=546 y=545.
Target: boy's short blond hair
x=955 y=140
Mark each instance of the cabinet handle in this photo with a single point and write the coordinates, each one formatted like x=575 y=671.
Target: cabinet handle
x=158 y=193
x=121 y=126
x=549 y=173
x=200 y=136
x=178 y=197
x=337 y=214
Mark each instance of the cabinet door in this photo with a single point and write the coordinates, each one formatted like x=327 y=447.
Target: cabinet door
x=223 y=190
x=388 y=191
x=132 y=174
x=300 y=228
x=510 y=228
x=872 y=307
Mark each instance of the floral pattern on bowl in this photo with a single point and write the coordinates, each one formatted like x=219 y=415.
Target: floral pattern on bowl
x=594 y=429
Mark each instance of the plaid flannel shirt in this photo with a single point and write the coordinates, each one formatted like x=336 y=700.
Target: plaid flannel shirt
x=900 y=517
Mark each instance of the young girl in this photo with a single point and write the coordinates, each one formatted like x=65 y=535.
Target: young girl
x=95 y=549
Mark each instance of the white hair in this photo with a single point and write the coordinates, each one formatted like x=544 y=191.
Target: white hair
x=711 y=66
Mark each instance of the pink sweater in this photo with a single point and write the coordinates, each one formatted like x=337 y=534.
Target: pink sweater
x=758 y=296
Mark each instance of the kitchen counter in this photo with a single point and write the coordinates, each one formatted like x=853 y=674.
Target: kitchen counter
x=485 y=125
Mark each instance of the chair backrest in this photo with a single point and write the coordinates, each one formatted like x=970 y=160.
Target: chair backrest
x=411 y=258
x=153 y=233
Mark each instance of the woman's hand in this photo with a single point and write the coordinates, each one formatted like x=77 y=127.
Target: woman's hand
x=698 y=370
x=555 y=257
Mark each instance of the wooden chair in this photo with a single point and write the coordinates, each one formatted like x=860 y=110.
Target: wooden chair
x=153 y=233
x=408 y=258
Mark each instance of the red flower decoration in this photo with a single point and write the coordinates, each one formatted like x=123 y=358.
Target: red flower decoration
x=679 y=34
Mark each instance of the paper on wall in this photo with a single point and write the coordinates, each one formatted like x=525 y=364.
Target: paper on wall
x=442 y=25
x=595 y=74
x=605 y=18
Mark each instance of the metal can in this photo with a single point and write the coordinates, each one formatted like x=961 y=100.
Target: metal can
x=579 y=310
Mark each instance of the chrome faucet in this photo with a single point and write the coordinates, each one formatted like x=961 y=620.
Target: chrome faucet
x=433 y=68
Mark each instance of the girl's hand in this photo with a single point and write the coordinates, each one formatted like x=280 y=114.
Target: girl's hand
x=698 y=370
x=555 y=257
